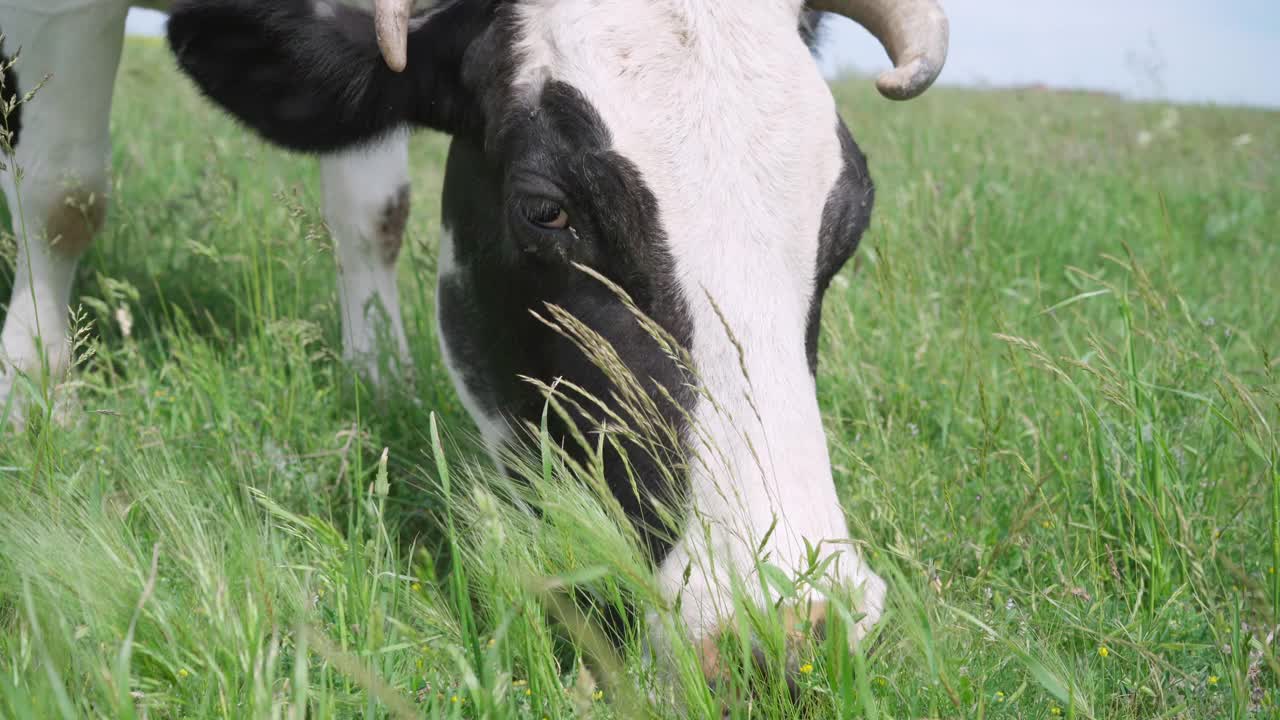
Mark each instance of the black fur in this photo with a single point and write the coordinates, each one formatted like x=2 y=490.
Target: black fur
x=7 y=93
x=844 y=218
x=312 y=84
x=560 y=148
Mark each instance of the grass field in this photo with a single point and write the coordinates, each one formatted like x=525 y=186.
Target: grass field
x=1050 y=389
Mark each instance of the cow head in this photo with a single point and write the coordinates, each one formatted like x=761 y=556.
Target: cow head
x=690 y=152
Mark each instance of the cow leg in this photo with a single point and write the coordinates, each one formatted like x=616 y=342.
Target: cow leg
x=56 y=184
x=366 y=205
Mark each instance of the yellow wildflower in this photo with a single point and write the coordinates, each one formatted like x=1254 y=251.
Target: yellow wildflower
x=1103 y=652
x=1213 y=679
x=806 y=668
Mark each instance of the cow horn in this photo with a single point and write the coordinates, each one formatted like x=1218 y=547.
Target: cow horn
x=391 y=22
x=914 y=32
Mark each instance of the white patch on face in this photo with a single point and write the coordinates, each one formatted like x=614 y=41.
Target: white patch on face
x=493 y=430
x=721 y=107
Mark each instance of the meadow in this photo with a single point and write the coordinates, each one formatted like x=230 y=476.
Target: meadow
x=1049 y=384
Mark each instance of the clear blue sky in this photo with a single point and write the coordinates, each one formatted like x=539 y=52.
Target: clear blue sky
x=1222 y=51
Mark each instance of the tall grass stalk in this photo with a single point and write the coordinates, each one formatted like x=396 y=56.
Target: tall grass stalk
x=1048 y=387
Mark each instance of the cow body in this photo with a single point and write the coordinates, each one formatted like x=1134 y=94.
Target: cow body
x=689 y=153
x=63 y=149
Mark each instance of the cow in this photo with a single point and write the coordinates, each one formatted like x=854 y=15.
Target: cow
x=680 y=158
x=62 y=146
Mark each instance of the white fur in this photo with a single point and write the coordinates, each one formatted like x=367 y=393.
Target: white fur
x=358 y=185
x=64 y=149
x=720 y=106
x=493 y=430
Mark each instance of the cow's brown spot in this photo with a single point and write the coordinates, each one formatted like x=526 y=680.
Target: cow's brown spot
x=391 y=225
x=72 y=223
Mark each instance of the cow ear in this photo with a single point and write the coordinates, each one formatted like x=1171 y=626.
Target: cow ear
x=307 y=74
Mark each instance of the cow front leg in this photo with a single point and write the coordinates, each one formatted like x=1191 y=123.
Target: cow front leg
x=366 y=205
x=56 y=183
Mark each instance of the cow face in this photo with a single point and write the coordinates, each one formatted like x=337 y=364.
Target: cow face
x=688 y=152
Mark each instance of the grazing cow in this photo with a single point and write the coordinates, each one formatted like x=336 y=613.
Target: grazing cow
x=687 y=150
x=63 y=149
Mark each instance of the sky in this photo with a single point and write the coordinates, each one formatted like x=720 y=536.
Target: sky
x=1200 y=51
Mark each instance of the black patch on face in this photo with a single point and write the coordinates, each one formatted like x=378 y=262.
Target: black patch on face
x=7 y=93
x=845 y=217
x=557 y=149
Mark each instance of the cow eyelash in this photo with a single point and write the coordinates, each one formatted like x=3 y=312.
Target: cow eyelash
x=546 y=214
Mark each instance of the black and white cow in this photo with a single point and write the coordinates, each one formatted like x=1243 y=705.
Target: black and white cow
x=64 y=149
x=689 y=151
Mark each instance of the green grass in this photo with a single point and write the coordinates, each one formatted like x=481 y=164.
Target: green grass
x=1050 y=389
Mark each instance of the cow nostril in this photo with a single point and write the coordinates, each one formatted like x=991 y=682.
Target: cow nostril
x=807 y=621
x=771 y=661
x=819 y=630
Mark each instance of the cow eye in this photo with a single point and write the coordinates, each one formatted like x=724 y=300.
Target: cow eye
x=548 y=215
